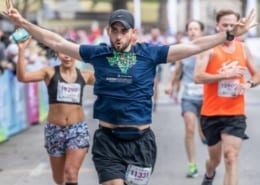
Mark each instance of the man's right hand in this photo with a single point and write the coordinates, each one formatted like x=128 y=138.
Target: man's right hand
x=13 y=14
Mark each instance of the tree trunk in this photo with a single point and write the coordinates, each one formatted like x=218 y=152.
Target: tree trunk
x=25 y=8
x=22 y=6
x=162 y=16
x=243 y=7
x=189 y=10
x=119 y=4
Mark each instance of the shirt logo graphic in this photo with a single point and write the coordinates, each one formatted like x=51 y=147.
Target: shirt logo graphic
x=123 y=60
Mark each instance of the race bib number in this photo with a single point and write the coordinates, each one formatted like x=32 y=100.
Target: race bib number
x=227 y=88
x=195 y=89
x=136 y=175
x=68 y=92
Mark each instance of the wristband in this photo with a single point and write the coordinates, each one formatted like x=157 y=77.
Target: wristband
x=229 y=36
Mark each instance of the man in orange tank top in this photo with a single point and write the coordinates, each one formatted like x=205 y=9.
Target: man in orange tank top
x=223 y=122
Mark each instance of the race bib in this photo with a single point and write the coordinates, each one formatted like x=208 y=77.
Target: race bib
x=68 y=92
x=195 y=89
x=136 y=175
x=227 y=88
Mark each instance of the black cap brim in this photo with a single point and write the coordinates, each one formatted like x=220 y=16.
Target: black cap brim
x=126 y=25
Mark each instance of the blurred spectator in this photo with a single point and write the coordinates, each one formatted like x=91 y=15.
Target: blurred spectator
x=178 y=37
x=158 y=39
x=105 y=38
x=2 y=48
x=35 y=56
x=10 y=61
x=71 y=33
x=176 y=88
x=82 y=36
x=95 y=36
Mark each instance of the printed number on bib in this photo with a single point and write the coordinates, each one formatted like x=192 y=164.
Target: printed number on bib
x=68 y=92
x=227 y=88
x=136 y=175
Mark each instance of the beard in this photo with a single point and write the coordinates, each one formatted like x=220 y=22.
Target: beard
x=122 y=47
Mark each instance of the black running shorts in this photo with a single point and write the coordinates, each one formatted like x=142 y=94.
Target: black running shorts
x=112 y=155
x=213 y=126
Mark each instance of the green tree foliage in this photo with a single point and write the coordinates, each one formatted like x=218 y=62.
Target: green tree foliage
x=25 y=5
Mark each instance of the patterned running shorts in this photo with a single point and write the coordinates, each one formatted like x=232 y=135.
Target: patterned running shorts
x=58 y=138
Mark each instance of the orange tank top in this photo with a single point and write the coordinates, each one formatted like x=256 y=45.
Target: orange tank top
x=219 y=96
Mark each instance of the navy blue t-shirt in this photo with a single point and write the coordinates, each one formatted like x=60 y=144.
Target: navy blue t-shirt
x=124 y=81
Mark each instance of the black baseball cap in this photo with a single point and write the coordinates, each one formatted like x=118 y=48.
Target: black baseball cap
x=123 y=16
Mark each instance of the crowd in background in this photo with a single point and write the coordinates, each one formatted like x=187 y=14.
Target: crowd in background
x=38 y=55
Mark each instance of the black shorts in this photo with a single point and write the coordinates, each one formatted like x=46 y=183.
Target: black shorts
x=213 y=126
x=112 y=155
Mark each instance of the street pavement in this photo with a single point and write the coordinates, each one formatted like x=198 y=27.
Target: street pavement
x=23 y=159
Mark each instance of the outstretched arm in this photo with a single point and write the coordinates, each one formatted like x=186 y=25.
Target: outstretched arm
x=21 y=73
x=48 y=38
x=180 y=51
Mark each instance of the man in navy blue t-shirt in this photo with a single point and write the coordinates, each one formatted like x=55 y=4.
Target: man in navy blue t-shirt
x=124 y=148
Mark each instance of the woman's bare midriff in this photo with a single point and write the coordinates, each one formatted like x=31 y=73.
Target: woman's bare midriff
x=65 y=114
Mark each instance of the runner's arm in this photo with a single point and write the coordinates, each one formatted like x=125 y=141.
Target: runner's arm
x=252 y=67
x=174 y=78
x=21 y=73
x=200 y=74
x=183 y=50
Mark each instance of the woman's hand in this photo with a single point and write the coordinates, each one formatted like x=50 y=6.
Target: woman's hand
x=24 y=44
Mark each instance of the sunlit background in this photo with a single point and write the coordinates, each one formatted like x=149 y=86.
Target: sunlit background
x=170 y=15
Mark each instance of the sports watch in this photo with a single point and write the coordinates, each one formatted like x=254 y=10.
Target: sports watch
x=252 y=83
